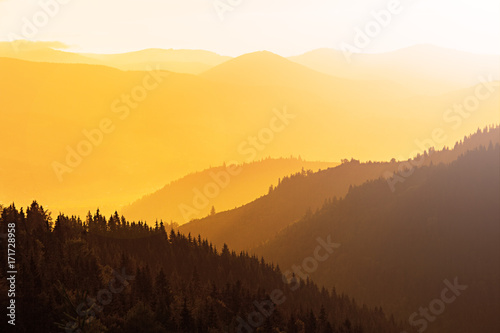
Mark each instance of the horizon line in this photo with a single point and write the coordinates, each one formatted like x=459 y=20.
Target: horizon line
x=74 y=49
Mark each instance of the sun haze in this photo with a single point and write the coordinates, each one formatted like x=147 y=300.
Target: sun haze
x=285 y=27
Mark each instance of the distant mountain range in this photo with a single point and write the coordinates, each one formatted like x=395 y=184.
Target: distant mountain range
x=179 y=61
x=422 y=69
x=187 y=122
x=224 y=187
x=260 y=221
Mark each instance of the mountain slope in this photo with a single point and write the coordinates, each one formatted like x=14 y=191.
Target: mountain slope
x=115 y=276
x=268 y=69
x=397 y=248
x=223 y=187
x=259 y=221
x=186 y=123
x=183 y=123
x=178 y=61
x=42 y=52
x=424 y=69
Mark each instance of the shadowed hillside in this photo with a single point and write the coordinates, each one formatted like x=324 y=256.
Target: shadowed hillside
x=259 y=221
x=223 y=188
x=398 y=247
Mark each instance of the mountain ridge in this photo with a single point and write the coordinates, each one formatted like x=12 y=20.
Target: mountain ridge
x=261 y=220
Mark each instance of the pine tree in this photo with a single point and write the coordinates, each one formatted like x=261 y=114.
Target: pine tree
x=186 y=323
x=311 y=323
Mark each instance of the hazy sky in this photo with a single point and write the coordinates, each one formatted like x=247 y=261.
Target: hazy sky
x=286 y=27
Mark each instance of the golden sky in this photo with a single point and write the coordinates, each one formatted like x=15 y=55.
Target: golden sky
x=193 y=122
x=286 y=27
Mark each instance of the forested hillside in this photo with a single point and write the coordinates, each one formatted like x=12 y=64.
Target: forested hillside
x=259 y=221
x=222 y=187
x=109 y=275
x=398 y=248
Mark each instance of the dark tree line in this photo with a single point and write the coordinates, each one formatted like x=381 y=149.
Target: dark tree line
x=111 y=275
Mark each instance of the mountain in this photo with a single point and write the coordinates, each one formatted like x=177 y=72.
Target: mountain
x=424 y=69
x=223 y=187
x=403 y=250
x=268 y=69
x=94 y=135
x=179 y=61
x=259 y=221
x=186 y=123
x=111 y=275
x=42 y=52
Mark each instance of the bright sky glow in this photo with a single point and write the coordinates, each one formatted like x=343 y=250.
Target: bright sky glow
x=286 y=27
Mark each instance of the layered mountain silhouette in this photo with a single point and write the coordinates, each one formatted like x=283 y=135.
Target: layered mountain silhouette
x=268 y=69
x=399 y=248
x=424 y=69
x=396 y=183
x=224 y=187
x=179 y=61
x=187 y=122
x=260 y=220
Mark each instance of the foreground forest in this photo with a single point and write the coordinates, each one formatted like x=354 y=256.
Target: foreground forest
x=111 y=275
